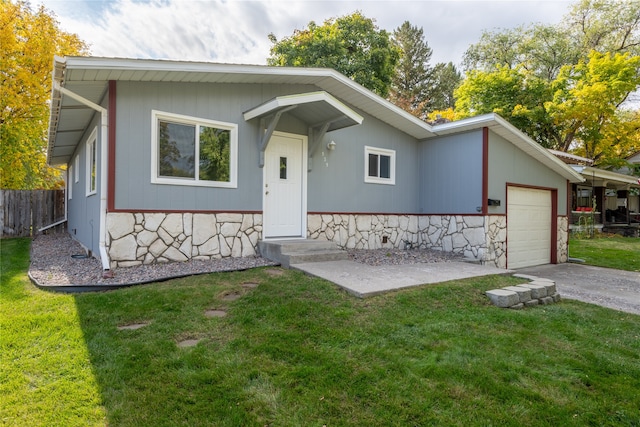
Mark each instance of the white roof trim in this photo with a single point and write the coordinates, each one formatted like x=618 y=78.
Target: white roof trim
x=591 y=172
x=570 y=156
x=302 y=98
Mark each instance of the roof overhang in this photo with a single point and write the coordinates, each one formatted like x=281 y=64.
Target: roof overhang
x=571 y=159
x=506 y=130
x=603 y=178
x=314 y=108
x=89 y=77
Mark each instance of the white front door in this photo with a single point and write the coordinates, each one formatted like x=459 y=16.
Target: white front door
x=284 y=190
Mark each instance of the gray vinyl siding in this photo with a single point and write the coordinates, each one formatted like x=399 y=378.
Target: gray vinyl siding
x=451 y=174
x=220 y=102
x=336 y=180
x=509 y=164
x=84 y=211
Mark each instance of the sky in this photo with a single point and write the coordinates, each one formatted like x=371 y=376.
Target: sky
x=236 y=31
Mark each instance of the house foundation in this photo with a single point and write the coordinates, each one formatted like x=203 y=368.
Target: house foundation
x=148 y=238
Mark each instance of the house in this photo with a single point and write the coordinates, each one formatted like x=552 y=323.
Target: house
x=609 y=200
x=171 y=161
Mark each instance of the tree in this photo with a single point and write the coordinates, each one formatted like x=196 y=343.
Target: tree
x=553 y=84
x=604 y=26
x=578 y=110
x=352 y=45
x=28 y=41
x=445 y=78
x=410 y=85
x=515 y=94
x=586 y=98
x=418 y=87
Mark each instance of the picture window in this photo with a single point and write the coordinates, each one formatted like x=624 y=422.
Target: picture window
x=192 y=151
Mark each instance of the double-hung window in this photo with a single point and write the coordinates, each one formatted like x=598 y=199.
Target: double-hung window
x=379 y=165
x=192 y=151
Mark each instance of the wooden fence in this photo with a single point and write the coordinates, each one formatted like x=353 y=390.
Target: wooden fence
x=25 y=212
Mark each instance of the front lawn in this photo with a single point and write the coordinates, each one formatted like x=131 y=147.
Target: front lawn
x=610 y=251
x=296 y=351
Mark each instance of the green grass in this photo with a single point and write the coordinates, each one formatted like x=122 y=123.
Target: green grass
x=296 y=351
x=46 y=376
x=609 y=251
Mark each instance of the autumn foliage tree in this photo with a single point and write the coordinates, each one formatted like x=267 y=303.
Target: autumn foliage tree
x=29 y=39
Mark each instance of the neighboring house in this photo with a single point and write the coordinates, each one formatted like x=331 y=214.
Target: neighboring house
x=634 y=160
x=171 y=161
x=614 y=195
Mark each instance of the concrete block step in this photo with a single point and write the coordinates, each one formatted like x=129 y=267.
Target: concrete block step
x=287 y=252
x=315 y=256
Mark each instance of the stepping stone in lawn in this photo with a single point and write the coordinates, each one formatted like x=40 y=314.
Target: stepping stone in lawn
x=231 y=296
x=188 y=343
x=275 y=272
x=250 y=285
x=132 y=326
x=215 y=313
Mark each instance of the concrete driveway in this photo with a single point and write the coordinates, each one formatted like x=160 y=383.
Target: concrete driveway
x=610 y=288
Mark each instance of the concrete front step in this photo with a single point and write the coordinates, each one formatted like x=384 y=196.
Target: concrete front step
x=290 y=252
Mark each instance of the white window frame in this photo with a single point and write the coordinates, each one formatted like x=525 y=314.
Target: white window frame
x=76 y=169
x=91 y=162
x=70 y=182
x=392 y=166
x=156 y=116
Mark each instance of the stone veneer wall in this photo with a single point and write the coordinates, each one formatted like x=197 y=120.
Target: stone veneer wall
x=497 y=240
x=147 y=238
x=563 y=239
x=466 y=235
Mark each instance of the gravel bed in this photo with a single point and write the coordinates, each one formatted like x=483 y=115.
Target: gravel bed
x=398 y=256
x=53 y=264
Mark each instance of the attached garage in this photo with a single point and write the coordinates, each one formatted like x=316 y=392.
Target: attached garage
x=530 y=225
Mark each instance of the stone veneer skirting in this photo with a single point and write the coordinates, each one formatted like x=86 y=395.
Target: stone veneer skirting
x=476 y=237
x=146 y=238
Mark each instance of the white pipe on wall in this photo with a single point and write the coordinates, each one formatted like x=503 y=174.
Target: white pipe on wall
x=104 y=133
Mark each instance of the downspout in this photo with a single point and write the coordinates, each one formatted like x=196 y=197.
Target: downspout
x=104 y=133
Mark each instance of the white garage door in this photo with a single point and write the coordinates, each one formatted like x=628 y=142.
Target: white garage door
x=528 y=227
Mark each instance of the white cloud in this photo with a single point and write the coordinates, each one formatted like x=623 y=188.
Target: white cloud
x=236 y=31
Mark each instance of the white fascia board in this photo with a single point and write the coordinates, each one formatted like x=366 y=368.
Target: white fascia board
x=606 y=175
x=570 y=156
x=469 y=123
